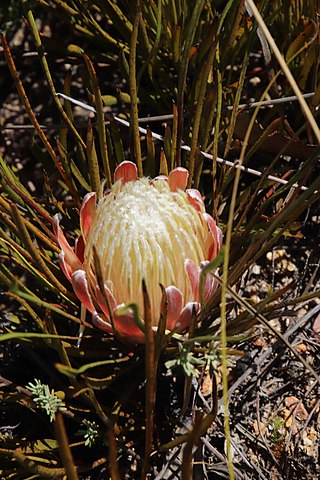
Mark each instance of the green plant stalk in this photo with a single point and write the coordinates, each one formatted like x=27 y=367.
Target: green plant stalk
x=151 y=158
x=218 y=95
x=133 y=88
x=199 y=109
x=188 y=380
x=236 y=25
x=163 y=170
x=224 y=320
x=151 y=369
x=64 y=169
x=113 y=461
x=208 y=113
x=100 y=121
x=187 y=458
x=24 y=335
x=83 y=30
x=174 y=134
x=145 y=43
x=11 y=193
x=153 y=51
x=112 y=151
x=41 y=236
x=117 y=142
x=64 y=448
x=60 y=348
x=194 y=21
x=94 y=174
x=167 y=149
x=176 y=43
x=98 y=409
x=73 y=372
x=80 y=150
x=77 y=174
x=45 y=66
x=160 y=339
x=117 y=16
x=224 y=338
x=304 y=106
x=236 y=102
x=89 y=19
x=69 y=10
x=173 y=7
x=217 y=121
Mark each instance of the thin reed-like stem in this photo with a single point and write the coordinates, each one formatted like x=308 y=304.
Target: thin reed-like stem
x=133 y=88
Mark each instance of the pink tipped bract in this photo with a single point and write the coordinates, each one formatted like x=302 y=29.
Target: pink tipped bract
x=142 y=229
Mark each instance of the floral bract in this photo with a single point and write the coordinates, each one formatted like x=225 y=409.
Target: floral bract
x=142 y=229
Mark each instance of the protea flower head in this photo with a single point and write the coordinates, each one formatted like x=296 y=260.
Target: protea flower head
x=142 y=229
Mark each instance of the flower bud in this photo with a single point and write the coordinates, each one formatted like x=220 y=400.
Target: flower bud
x=142 y=229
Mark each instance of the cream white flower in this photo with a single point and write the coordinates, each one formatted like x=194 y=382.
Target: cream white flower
x=142 y=230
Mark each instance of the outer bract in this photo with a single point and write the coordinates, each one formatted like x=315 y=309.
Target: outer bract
x=142 y=229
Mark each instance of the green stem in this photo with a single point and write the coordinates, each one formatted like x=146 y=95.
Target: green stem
x=133 y=88
x=150 y=381
x=92 y=161
x=100 y=122
x=199 y=109
x=193 y=25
